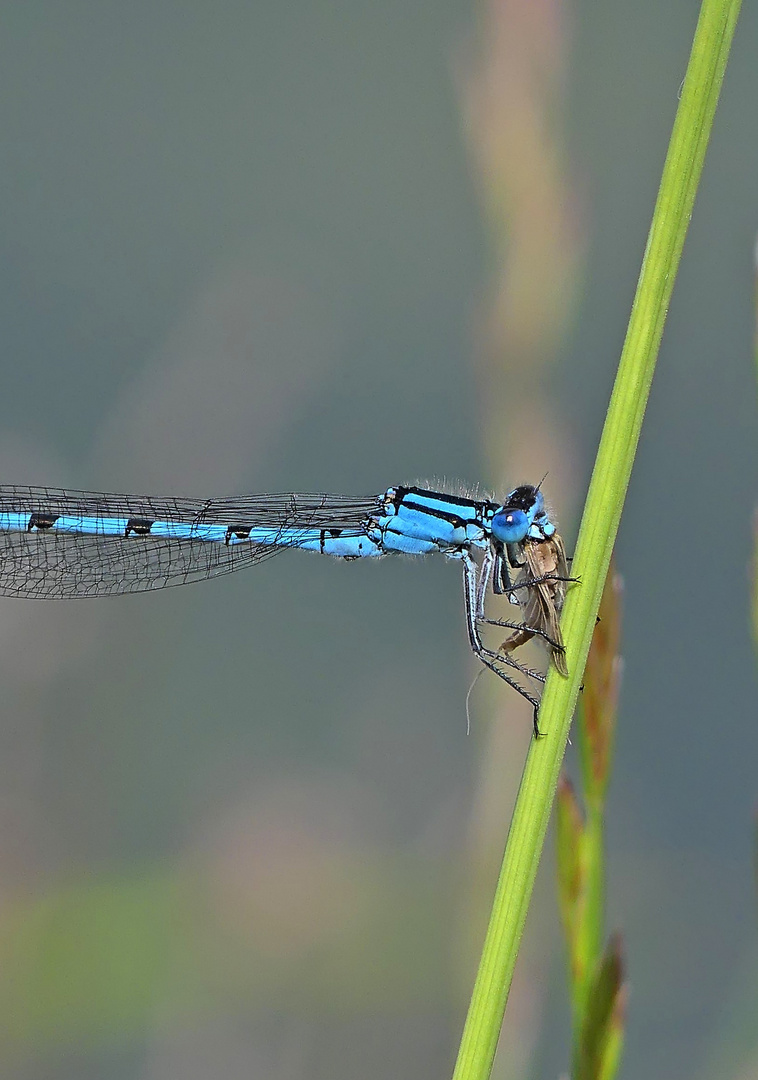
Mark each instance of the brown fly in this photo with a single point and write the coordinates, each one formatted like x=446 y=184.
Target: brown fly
x=543 y=579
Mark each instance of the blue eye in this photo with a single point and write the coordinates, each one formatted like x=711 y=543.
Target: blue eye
x=510 y=526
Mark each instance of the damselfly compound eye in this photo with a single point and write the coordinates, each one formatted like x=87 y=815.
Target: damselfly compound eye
x=510 y=526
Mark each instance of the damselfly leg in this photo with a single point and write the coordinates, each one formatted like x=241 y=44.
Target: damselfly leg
x=491 y=659
x=539 y=589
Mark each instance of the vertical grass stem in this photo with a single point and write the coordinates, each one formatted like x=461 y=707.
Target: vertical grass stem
x=613 y=465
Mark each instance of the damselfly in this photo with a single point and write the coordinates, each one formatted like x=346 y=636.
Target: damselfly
x=57 y=544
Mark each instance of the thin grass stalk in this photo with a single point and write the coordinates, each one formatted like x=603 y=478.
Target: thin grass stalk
x=610 y=478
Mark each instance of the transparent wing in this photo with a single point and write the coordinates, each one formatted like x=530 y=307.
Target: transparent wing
x=44 y=564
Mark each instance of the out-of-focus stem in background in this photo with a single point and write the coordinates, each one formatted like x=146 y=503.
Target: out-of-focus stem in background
x=513 y=108
x=512 y=90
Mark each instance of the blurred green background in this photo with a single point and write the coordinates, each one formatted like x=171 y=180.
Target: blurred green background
x=337 y=246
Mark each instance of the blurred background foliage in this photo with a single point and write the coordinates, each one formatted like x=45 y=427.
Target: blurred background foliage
x=334 y=247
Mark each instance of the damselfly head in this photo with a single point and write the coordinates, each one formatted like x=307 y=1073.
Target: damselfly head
x=522 y=515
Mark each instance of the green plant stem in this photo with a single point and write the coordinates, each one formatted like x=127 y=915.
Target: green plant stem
x=597 y=534
x=589 y=942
